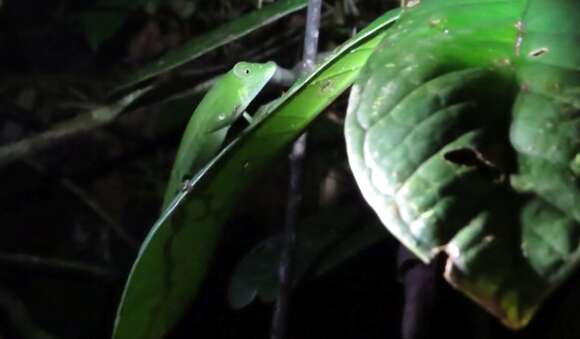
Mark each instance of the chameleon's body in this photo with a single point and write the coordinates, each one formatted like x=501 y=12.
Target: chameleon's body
x=155 y=301
x=204 y=135
x=219 y=109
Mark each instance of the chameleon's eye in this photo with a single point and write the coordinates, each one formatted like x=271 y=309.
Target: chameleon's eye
x=242 y=69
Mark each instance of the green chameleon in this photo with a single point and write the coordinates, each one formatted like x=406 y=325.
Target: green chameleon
x=148 y=298
x=209 y=124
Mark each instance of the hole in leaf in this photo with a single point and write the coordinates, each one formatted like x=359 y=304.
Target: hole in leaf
x=472 y=158
x=463 y=156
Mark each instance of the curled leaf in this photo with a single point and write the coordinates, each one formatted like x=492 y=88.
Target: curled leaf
x=463 y=133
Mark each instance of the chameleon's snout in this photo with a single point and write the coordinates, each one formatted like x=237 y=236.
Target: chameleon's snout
x=270 y=67
x=267 y=69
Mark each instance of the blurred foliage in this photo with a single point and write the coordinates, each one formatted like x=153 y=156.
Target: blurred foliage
x=115 y=13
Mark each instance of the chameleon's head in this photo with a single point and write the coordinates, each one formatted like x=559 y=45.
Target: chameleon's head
x=254 y=76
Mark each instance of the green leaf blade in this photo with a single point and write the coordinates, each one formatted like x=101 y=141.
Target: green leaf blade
x=215 y=39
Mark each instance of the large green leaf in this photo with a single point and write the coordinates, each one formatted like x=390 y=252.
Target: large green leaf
x=463 y=133
x=209 y=41
x=158 y=291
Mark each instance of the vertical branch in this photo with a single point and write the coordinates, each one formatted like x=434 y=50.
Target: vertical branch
x=420 y=287
x=311 y=36
x=296 y=158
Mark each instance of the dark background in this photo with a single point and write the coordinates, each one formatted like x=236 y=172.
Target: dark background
x=54 y=62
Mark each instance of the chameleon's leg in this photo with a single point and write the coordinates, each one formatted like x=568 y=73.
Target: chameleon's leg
x=248 y=117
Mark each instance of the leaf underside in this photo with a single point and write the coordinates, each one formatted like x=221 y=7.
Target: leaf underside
x=463 y=133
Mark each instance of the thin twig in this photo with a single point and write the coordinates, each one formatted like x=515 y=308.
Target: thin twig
x=285 y=270
x=110 y=222
x=53 y=265
x=97 y=118
x=81 y=194
x=84 y=122
x=15 y=311
x=94 y=206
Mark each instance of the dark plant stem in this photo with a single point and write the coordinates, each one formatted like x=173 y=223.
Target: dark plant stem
x=420 y=286
x=52 y=265
x=16 y=313
x=311 y=36
x=83 y=123
x=86 y=199
x=285 y=270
